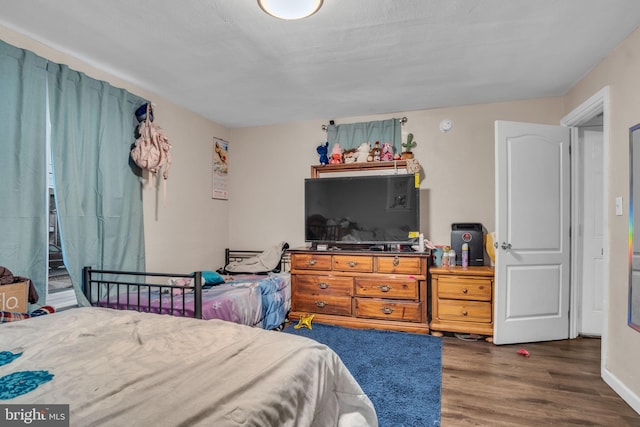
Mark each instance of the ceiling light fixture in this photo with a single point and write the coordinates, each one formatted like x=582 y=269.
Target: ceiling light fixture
x=290 y=9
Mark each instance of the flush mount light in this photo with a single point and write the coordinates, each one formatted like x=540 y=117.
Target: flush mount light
x=290 y=9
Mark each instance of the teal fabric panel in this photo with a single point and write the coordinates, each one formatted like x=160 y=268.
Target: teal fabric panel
x=212 y=278
x=23 y=167
x=352 y=135
x=98 y=195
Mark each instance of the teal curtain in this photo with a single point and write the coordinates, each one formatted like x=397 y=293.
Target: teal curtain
x=98 y=196
x=23 y=165
x=352 y=135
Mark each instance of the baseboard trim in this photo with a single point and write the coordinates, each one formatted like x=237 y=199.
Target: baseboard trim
x=619 y=387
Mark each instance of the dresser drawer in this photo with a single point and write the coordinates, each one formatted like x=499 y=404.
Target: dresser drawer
x=467 y=311
x=407 y=311
x=325 y=304
x=381 y=287
x=357 y=263
x=323 y=285
x=463 y=288
x=310 y=262
x=399 y=265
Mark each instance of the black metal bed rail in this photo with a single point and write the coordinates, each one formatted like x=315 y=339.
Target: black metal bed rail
x=238 y=255
x=94 y=283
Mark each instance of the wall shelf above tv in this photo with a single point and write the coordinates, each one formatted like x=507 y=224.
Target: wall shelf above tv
x=317 y=170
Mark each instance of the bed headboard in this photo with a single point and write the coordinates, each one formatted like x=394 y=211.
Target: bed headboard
x=238 y=255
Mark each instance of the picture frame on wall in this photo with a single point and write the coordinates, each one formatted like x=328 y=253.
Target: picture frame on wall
x=220 y=169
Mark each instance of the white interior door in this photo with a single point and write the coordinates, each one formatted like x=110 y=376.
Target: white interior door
x=532 y=232
x=592 y=274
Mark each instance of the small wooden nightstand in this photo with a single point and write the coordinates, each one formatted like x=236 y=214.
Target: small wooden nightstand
x=462 y=300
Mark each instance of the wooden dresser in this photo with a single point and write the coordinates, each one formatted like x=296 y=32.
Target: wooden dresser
x=462 y=300
x=361 y=289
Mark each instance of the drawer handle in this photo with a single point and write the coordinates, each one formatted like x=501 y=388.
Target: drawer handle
x=464 y=312
x=386 y=310
x=396 y=261
x=311 y=262
x=384 y=288
x=321 y=304
x=323 y=285
x=352 y=263
x=465 y=290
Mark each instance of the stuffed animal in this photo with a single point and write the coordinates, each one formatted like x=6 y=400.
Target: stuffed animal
x=184 y=283
x=362 y=153
x=336 y=154
x=304 y=321
x=375 y=153
x=322 y=151
x=387 y=152
x=349 y=156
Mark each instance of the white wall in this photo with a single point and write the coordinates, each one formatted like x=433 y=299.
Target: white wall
x=189 y=230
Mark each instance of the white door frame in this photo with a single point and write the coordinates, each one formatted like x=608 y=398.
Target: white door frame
x=596 y=104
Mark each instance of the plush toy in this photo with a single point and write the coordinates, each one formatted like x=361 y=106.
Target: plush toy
x=336 y=154
x=349 y=156
x=387 y=152
x=183 y=283
x=362 y=153
x=408 y=146
x=375 y=153
x=322 y=151
x=305 y=321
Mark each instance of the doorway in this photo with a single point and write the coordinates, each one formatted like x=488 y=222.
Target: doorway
x=590 y=207
x=594 y=111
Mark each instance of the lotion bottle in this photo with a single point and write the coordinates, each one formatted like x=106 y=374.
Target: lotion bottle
x=465 y=255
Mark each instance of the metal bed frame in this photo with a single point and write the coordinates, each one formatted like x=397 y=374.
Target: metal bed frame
x=94 y=282
x=97 y=282
x=284 y=266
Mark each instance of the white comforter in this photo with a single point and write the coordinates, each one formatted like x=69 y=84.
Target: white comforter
x=123 y=368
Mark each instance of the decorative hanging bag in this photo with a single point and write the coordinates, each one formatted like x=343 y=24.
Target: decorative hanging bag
x=151 y=151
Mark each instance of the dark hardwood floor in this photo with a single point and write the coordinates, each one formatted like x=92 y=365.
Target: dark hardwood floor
x=559 y=384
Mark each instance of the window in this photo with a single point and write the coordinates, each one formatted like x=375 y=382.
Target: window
x=60 y=293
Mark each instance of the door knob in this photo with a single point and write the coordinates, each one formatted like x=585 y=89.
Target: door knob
x=506 y=245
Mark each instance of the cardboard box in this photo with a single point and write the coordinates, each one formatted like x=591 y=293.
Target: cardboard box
x=13 y=297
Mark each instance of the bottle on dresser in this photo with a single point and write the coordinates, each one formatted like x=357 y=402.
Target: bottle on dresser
x=445 y=257
x=465 y=255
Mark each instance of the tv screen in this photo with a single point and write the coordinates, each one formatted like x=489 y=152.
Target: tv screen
x=374 y=209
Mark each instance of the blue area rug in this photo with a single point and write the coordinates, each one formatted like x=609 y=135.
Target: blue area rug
x=400 y=372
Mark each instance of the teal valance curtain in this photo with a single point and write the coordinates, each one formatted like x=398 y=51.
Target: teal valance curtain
x=98 y=196
x=352 y=135
x=23 y=165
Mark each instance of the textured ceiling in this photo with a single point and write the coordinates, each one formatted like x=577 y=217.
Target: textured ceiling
x=232 y=63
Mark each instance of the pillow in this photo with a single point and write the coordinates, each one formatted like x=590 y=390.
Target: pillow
x=212 y=278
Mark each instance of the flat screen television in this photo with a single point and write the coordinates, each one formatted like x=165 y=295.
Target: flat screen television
x=372 y=209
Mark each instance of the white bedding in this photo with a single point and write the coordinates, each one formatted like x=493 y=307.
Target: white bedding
x=124 y=368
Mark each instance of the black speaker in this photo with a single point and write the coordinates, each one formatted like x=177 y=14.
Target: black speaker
x=471 y=234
